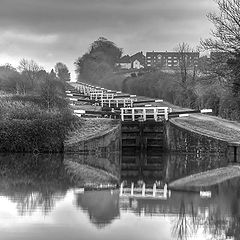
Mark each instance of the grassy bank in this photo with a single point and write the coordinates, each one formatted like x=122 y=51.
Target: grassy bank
x=205 y=179
x=26 y=126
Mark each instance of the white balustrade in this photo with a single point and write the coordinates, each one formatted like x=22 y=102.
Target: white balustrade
x=144 y=113
x=117 y=102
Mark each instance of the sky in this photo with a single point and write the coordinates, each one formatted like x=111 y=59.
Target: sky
x=51 y=31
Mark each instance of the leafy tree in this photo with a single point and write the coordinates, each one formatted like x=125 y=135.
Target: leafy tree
x=98 y=62
x=62 y=72
x=51 y=90
x=111 y=53
x=8 y=78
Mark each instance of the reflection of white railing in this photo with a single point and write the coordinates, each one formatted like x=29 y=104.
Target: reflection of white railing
x=144 y=113
x=144 y=192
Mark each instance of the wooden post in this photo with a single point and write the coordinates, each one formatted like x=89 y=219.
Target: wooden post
x=143 y=189
x=155 y=115
x=132 y=187
x=154 y=189
x=121 y=189
x=165 y=190
x=166 y=113
x=122 y=114
x=144 y=114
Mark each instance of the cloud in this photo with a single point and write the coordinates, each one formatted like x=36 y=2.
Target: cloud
x=53 y=30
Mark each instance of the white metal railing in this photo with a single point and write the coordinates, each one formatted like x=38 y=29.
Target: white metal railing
x=117 y=102
x=99 y=96
x=144 y=113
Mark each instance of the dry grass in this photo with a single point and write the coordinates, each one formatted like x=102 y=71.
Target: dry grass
x=205 y=179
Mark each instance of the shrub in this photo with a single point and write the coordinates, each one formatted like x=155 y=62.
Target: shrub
x=26 y=127
x=230 y=108
x=37 y=135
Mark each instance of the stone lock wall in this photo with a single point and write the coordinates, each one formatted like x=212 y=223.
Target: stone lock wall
x=179 y=139
x=109 y=141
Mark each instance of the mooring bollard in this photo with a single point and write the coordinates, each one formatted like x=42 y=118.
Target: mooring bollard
x=154 y=189
x=143 y=189
x=132 y=187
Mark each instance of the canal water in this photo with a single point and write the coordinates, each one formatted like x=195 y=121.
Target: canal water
x=39 y=200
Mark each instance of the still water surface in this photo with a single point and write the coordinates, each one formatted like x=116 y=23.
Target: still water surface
x=38 y=200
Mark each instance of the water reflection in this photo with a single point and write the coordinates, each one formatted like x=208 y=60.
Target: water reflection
x=152 y=166
x=102 y=206
x=33 y=182
x=38 y=200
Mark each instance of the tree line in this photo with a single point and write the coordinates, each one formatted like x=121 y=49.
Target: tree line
x=31 y=79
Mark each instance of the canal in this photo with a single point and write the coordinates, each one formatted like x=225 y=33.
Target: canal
x=39 y=200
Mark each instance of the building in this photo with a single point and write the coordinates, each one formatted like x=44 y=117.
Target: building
x=138 y=60
x=124 y=62
x=135 y=61
x=171 y=60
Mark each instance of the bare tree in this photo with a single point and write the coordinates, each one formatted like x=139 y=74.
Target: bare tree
x=29 y=70
x=186 y=64
x=226 y=37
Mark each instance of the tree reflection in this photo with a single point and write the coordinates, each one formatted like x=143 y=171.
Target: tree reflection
x=102 y=206
x=186 y=223
x=218 y=217
x=35 y=183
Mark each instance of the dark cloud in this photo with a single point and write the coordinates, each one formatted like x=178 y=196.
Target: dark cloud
x=50 y=30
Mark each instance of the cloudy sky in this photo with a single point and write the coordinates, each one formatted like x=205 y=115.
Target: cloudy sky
x=49 y=31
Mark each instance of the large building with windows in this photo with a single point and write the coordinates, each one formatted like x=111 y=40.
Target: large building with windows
x=171 y=60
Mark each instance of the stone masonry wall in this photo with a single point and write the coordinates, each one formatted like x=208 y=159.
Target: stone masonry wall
x=179 y=139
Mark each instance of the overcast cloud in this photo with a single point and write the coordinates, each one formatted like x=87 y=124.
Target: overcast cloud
x=50 y=31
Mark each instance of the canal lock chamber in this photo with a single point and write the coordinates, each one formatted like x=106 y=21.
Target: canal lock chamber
x=143 y=150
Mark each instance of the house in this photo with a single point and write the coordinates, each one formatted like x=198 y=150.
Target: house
x=135 y=61
x=170 y=60
x=138 y=60
x=124 y=62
